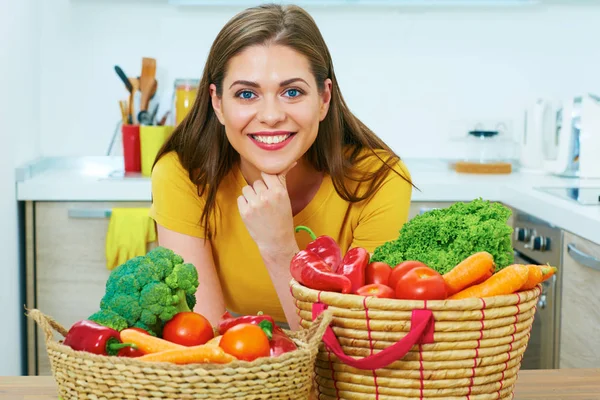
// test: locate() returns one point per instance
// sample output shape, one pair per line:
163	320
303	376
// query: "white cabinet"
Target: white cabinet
580	310
66	265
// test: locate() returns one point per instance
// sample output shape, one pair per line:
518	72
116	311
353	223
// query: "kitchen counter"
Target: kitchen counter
563	384
101	179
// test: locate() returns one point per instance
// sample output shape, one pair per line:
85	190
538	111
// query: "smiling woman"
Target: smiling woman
268	145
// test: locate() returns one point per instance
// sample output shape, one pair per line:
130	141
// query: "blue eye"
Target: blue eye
245	94
293	92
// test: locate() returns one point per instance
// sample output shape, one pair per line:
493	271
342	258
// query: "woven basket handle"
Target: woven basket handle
47	324
421	331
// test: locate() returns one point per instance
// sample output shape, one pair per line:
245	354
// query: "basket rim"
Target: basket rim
382	303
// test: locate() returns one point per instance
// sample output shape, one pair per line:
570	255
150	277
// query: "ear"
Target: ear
325	99
216	103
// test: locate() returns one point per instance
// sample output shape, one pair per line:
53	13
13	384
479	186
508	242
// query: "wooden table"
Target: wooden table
562	384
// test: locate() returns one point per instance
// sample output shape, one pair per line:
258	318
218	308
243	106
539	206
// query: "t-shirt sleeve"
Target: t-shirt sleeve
385	211
175	201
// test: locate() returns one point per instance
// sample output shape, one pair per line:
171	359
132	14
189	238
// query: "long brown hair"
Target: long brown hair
200	140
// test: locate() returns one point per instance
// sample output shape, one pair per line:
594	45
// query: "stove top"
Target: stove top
588	196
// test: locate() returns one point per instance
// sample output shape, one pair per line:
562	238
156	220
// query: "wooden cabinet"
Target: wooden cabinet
66	265
580	309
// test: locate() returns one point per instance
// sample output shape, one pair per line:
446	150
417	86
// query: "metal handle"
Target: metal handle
582	258
89	213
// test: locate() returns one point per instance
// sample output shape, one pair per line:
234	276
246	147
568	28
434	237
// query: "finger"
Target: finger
259	187
249	193
279	179
242	205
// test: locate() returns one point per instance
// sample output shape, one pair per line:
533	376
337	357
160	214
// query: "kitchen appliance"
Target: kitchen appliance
537	118
586	196
571	141
538	242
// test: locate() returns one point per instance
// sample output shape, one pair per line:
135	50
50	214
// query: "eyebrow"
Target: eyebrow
256	85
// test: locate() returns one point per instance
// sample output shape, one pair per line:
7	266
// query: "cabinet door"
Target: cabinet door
70	262
580	310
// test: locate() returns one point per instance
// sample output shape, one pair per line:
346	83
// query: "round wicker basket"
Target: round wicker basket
474	350
81	375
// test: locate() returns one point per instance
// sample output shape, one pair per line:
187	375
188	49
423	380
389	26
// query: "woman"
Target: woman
268	145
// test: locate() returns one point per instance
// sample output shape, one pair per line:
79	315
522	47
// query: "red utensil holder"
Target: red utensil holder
131	148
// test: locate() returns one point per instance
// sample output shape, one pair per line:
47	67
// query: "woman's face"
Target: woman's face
271	107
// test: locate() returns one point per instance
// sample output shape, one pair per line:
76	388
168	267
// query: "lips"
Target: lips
272	140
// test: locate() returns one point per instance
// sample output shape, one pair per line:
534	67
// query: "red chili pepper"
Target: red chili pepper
228	321
94	338
310	270
353	266
323	246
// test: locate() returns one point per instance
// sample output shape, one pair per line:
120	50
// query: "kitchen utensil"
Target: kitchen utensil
131	147
163	120
152	139
147	80
148	88
124	78
184	95
124	114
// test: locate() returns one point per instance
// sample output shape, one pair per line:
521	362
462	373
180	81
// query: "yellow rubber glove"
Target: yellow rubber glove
129	232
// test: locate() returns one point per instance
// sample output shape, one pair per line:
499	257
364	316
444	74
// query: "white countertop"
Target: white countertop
100	179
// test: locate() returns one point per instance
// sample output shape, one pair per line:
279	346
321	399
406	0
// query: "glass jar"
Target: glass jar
486	147
185	92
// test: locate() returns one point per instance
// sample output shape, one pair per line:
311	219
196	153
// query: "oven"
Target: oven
537	242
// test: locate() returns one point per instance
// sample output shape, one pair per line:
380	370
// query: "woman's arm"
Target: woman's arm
209	296
277	263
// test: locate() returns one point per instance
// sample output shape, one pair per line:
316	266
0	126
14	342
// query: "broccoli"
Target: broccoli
442	238
147	291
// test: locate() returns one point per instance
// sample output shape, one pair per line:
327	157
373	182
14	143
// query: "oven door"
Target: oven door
541	350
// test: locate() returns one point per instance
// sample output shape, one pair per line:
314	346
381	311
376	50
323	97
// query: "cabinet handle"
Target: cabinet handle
89	213
582	258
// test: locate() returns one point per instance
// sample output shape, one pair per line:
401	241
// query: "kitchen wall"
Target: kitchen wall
19	133
416	76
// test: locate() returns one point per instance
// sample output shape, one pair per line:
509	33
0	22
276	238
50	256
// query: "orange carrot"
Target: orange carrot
191	355
146	343
474	269
505	281
549	273
536	275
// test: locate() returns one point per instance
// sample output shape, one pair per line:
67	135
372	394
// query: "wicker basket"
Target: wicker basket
453	349
81	375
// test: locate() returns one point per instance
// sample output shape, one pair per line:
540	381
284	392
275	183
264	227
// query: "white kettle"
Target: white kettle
540	120
571	143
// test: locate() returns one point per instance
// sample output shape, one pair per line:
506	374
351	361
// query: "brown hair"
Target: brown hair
200	140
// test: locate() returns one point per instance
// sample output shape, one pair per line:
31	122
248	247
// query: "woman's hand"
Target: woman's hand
266	211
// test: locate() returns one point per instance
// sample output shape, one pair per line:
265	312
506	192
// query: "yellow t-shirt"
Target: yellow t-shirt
246	284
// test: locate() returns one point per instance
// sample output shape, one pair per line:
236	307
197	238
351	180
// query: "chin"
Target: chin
273	168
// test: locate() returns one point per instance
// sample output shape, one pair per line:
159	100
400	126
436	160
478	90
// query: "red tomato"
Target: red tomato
377	290
188	329
377	272
246	342
130	351
421	283
401	269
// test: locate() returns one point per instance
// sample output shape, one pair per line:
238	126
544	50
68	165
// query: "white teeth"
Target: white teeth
271	139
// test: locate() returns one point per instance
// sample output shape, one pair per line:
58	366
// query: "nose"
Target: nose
270	113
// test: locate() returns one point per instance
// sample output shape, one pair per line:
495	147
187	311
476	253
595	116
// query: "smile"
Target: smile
272	140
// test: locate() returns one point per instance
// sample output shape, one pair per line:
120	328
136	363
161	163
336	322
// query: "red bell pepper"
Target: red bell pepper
94	338
228	321
130	351
323	246
311	271
279	342
353	266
